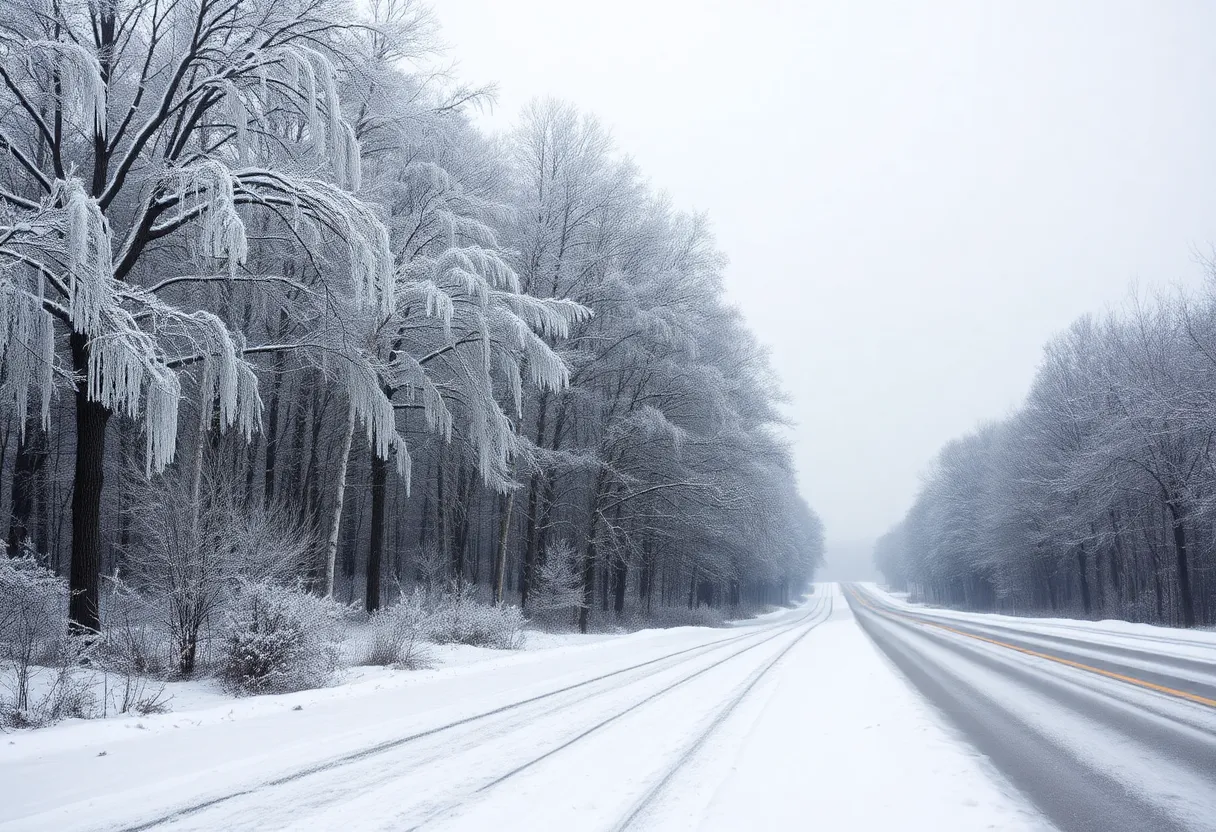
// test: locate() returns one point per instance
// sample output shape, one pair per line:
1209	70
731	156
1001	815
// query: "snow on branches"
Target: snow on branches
373	408
488	325
207	189
89	253
82	93
27	352
329	208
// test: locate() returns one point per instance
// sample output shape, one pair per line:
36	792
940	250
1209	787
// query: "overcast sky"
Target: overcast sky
913	196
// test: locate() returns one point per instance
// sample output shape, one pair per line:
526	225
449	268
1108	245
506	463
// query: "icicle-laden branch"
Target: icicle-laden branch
550	317
475	289
207	189
122	364
27	352
435	301
476	270
546	369
238	115
91	284
315	80
488	429
373	408
416	386
83	93
328	207
228	380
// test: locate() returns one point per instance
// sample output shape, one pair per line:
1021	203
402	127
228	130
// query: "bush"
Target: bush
458	618
40	662
399	633
558	584
195	547
133	648
664	617
279	640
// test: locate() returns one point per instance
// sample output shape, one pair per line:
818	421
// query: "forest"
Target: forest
274	310
1097	497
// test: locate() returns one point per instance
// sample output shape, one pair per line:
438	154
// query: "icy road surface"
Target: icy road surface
1102	725
783	720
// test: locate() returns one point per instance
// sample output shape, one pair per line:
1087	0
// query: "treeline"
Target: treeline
260	273
1097	498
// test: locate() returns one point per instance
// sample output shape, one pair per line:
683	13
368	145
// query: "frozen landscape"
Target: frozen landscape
541	415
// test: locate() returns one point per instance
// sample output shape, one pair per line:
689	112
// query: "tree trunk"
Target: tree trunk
1083	575
441	510
278	366
31	454
375	549
331	549
1184	572
620	574
528	561
460	522
500	559
84	606
588	581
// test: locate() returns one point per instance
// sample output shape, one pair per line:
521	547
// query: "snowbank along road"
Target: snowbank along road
588	735
1103	728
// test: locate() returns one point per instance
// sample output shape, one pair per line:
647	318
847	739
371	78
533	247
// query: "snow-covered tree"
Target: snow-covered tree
145	138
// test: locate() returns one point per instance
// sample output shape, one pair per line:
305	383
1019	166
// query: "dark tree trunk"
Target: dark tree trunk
278	365
84	607
375	549
32	452
620	574
460	530
1187	603
441	511
298	472
500	559
588	581
1083	577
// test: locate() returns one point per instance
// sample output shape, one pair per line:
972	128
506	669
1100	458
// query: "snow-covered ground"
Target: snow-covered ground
794	716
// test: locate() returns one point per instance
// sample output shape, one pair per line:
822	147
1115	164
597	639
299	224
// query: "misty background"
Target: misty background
914	197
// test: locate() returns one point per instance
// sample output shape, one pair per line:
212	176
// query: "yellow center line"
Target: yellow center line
1110	674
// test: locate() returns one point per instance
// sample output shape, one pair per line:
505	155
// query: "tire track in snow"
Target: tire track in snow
650	668
690	751
453	806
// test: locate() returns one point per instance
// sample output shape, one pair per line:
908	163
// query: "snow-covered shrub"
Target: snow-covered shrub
557	584
199	541
399	633
430	567
458	618
702	616
279	640
131	652
40	661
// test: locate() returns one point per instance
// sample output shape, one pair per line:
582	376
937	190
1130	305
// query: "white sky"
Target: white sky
914	196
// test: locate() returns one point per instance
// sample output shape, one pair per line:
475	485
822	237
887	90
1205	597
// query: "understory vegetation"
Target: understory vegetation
284	336
1097	497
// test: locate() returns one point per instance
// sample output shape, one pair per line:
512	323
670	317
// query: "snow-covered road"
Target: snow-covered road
679	729
1104	726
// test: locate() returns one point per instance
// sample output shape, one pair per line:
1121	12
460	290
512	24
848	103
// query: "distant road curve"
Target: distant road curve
1102	731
